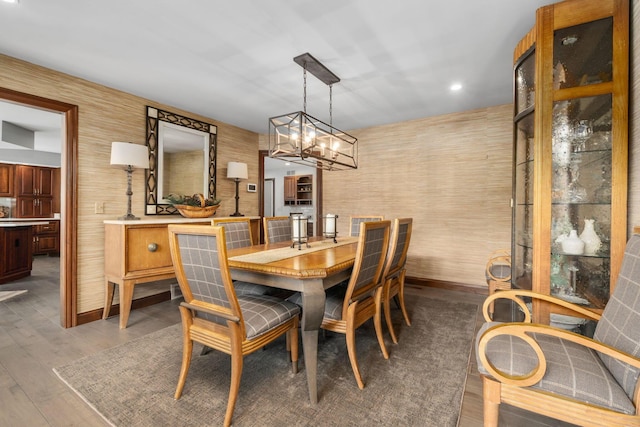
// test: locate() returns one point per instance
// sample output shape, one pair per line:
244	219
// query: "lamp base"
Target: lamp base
236	214
128	217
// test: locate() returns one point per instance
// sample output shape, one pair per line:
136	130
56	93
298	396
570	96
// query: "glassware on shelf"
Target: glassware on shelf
582	133
592	242
562	135
576	192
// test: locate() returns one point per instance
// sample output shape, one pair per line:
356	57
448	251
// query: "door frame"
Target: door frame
69	194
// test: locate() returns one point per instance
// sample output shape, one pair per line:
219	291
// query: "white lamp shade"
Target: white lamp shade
124	154
236	170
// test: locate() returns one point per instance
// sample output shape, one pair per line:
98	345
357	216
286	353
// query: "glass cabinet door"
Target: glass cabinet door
522	250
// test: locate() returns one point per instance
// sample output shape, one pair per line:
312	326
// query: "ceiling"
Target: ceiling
233	60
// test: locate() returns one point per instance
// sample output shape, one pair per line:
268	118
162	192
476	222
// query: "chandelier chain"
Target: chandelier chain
304	96
331	105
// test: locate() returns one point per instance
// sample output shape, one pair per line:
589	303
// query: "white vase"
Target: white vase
571	244
591	240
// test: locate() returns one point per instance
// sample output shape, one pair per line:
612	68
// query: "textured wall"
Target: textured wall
107	115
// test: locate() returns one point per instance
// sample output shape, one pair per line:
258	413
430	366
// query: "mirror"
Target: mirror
182	159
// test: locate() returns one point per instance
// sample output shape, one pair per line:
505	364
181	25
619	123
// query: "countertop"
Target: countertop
27	219
167	219
22	223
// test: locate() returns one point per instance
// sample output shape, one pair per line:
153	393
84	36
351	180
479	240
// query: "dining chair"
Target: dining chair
355	220
214	315
277	229
561	374
394	271
238	235
347	308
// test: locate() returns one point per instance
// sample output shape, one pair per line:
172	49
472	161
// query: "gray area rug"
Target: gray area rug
422	383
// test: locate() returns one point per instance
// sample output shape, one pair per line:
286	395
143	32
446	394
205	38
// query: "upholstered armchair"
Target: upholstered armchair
560	374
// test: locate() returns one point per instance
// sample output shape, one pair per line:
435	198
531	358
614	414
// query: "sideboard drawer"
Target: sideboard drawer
147	248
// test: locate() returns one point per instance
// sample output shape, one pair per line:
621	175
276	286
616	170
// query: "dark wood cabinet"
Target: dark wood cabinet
7	173
15	253
46	238
35	187
289	190
34	181
34	207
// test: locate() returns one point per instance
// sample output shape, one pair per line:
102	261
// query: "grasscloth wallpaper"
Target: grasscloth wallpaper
451	173
107	115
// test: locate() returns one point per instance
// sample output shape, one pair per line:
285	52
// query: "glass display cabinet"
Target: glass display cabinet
570	155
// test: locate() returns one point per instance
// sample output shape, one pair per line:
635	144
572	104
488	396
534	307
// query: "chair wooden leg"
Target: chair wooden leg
236	370
292	340
187	349
386	303
351	349
491	402
377	323
400	297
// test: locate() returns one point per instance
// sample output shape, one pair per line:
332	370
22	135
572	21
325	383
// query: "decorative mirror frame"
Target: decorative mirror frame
154	116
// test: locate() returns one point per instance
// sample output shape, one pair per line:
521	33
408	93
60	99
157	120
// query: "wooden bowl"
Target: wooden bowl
196	211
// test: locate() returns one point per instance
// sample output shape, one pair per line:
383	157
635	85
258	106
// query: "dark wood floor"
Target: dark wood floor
32	343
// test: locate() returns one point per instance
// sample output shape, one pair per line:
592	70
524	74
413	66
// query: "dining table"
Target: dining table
309	268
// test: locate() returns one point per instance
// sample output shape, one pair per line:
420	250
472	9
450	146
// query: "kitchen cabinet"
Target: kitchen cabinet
571	152
35	188
7	173
298	190
34	207
46	238
34	181
290	190
15	252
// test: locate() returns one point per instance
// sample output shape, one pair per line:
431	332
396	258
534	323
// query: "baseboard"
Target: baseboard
90	316
442	284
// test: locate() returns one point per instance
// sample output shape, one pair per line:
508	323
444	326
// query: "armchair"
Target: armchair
560	374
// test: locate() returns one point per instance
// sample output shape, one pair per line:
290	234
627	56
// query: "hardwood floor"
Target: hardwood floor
32	343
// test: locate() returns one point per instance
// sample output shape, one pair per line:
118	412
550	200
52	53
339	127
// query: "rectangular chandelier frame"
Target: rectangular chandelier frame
303	139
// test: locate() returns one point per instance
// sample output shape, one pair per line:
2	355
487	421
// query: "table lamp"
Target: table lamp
129	156
237	171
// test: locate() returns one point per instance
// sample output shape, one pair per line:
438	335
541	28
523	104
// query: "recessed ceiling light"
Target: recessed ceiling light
11	1
455	87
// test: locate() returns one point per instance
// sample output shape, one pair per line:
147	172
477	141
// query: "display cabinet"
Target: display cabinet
570	154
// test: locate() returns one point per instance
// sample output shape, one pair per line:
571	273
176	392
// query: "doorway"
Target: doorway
68	208
269	197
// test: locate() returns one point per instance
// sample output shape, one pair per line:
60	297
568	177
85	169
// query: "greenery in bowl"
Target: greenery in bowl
195	200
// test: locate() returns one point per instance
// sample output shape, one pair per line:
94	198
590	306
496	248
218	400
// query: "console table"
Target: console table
138	252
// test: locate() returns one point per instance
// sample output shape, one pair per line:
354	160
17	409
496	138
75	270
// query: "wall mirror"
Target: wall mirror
182	159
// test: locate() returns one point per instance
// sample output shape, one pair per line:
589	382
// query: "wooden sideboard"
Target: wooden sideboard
138	252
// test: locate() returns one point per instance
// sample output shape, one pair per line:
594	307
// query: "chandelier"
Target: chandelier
300	138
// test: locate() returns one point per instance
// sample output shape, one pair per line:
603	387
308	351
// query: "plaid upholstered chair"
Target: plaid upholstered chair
237	232
355	220
347	308
277	229
554	372
213	315
394	271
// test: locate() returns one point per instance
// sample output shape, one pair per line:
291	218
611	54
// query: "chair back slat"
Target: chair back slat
369	261
619	326
237	232
398	246
355	221
277	229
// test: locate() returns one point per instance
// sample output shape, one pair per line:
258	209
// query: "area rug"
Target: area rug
422	383
5	295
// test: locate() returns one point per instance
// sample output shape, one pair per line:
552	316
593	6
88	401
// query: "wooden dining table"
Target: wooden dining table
309	270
